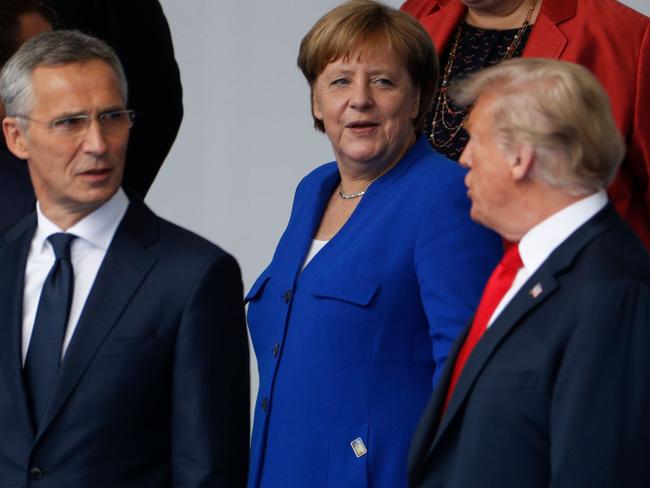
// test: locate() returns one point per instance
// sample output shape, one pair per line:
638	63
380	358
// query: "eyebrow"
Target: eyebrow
63	115
103	110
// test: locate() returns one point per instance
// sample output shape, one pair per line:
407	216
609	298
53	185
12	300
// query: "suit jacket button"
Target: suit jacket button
276	349
35	473
287	296
265	404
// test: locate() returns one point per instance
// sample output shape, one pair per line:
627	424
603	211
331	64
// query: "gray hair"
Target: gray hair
561	110
51	49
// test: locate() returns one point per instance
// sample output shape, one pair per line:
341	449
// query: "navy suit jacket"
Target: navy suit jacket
351	346
153	389
557	391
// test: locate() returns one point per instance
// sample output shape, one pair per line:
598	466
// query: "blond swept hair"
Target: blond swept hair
357	24
559	108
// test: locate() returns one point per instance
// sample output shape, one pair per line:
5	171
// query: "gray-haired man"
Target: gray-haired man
123	352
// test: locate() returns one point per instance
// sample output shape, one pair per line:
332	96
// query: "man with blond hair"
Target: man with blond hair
550	385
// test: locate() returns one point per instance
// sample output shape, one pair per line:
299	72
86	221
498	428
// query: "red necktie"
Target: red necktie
499	283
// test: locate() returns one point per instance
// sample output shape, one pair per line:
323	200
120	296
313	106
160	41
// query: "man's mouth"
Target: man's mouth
96	175
101	171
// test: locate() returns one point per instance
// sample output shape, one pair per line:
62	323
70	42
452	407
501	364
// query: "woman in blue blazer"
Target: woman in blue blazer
377	272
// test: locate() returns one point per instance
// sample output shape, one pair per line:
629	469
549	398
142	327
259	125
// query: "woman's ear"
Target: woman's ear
315	106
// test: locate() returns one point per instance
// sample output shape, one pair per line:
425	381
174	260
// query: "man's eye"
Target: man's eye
113	116
69	123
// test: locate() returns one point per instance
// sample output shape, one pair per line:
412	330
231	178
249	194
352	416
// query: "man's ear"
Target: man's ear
521	161
15	137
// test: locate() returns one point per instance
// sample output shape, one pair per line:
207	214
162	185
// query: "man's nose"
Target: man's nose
94	139
465	159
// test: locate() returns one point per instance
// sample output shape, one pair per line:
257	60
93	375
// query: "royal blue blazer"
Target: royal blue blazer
350	347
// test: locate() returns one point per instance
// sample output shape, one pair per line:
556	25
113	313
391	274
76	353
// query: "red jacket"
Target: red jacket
610	39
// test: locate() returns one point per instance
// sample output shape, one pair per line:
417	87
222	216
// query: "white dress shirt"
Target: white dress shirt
94	234
540	241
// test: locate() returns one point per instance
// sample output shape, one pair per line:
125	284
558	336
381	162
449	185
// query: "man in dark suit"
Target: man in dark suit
123	350
550	385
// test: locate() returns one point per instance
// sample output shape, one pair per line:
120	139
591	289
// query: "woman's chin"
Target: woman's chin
362	152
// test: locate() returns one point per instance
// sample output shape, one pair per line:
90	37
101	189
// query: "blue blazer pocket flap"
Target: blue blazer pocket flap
350	289
258	286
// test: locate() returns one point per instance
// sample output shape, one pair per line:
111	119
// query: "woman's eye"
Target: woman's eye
384	82
340	82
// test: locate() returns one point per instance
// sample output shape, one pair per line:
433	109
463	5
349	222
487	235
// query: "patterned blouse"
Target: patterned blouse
477	48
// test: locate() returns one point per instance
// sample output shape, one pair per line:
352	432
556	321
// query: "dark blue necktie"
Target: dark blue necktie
44	352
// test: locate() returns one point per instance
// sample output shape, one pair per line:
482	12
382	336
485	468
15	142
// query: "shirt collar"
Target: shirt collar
96	228
540	241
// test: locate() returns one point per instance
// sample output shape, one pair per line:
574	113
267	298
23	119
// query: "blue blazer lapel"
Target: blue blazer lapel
305	220
541	285
13	257
125	266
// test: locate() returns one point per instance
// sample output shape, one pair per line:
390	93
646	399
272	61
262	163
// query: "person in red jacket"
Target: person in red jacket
610	39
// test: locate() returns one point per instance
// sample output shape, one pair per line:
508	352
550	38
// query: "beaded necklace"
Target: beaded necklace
442	105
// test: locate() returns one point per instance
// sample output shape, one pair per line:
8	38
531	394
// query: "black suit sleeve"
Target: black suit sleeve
139	33
210	398
600	414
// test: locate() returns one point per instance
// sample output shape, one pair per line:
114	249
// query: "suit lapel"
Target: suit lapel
13	258
527	299
125	266
442	23
307	219
522	303
546	39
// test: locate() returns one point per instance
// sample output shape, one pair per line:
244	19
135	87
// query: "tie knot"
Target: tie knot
511	259
61	244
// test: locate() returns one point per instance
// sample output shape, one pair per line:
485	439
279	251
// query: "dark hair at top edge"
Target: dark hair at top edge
10	13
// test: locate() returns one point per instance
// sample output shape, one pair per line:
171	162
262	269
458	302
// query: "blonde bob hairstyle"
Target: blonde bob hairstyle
561	110
358	24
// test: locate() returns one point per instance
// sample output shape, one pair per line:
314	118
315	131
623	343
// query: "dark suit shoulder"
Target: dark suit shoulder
615	254
186	243
167	241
